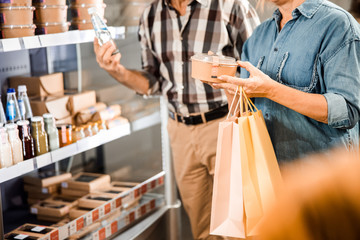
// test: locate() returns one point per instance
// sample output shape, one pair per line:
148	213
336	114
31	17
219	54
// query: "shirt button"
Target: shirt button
266	115
276	49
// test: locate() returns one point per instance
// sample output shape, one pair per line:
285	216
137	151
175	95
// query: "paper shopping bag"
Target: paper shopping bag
227	213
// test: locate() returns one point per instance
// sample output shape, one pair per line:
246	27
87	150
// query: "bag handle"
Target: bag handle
248	100
232	103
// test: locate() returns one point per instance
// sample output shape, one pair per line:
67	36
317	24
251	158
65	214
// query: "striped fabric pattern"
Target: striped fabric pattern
168	42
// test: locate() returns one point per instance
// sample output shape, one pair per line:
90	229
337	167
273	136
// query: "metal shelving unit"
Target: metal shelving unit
145	121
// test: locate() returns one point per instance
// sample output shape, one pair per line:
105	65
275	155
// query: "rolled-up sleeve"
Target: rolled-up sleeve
150	64
342	78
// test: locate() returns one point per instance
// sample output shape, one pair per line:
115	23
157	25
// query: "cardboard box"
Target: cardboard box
80	101
94	200
51	208
64	198
73	192
85	115
85	231
46	179
14	235
34	230
119	121
40	86
40	196
45	190
50	218
111	191
56	105
87	182
118	184
78	212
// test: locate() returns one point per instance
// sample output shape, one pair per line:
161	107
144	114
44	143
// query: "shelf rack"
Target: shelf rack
57	39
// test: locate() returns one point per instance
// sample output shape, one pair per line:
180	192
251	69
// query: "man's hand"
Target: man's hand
105	59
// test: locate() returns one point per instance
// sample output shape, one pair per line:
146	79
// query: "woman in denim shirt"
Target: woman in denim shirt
303	71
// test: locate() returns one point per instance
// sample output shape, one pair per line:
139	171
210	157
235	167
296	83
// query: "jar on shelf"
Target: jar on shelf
94	128
65	134
101	125
28	148
78	134
15	142
88	130
39	135
52	132
6	159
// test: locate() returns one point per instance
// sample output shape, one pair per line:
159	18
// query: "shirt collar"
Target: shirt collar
205	3
308	9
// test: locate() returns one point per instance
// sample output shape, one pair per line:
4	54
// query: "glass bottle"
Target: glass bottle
2	115
5	149
26	138
39	135
101	125
88	130
24	103
65	134
15	142
78	134
101	30
12	107
52	132
94	128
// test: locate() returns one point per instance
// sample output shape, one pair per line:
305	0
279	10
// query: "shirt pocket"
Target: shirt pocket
298	73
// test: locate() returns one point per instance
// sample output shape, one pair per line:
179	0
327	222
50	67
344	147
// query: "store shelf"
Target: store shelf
57	39
126	218
65	152
146	122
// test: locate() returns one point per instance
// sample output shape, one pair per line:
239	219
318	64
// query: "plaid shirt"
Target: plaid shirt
168	42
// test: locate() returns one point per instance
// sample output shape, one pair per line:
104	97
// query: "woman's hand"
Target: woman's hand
105	59
257	85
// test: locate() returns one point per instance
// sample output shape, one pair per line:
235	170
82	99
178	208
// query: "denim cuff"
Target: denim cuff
338	116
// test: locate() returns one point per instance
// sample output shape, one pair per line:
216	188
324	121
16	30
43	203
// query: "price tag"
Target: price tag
132	217
108	231
11	44
114	227
102	234
118	202
122	223
153	184
54	235
88	219
143	210
37	229
95	215
95	236
143	189
64	185
31	42
113	205
161	180
21	236
127	220
101	212
72	227
152	204
148	207
136	192
34	210
107	208
79	224
64	231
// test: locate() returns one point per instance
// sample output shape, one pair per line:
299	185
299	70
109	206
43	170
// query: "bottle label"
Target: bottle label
10	110
22	108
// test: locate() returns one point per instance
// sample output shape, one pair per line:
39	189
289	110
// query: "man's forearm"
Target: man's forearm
132	79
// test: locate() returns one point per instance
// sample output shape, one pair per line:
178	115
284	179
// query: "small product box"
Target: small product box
70	200
80	101
55	104
41	196
73	192
51	208
14	235
112	191
35	230
49	218
87	182
86	115
94	200
78	212
42	86
44	190
46	179
118	184
119	121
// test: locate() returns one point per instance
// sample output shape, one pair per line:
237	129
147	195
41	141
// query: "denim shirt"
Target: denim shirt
318	51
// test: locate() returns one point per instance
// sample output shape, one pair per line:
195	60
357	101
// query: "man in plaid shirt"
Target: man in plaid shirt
170	32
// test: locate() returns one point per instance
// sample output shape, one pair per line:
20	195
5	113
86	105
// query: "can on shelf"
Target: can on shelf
48	2
16	15
16	31
48	28
50	13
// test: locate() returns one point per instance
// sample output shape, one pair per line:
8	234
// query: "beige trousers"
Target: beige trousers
194	151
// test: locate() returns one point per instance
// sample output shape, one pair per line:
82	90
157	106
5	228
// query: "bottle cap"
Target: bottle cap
22	122
47	115
92	10
11	90
11	126
36	119
22	88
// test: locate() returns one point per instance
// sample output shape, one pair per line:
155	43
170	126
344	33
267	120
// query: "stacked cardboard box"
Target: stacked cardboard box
32	231
40	186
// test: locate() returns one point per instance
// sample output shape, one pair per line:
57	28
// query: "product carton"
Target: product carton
94	200
45	190
86	115
73	192
40	196
78	212
112	191
51	208
56	105
42	86
119	121
35	230
69	200
15	235
118	184
87	182
46	179
80	101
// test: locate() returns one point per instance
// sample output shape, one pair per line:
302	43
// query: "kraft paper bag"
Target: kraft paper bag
227	213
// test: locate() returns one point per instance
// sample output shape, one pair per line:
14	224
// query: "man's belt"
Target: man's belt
201	118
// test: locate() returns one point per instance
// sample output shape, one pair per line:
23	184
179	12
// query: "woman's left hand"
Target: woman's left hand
257	85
